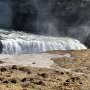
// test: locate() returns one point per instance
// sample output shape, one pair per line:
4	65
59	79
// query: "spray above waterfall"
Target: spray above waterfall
61	18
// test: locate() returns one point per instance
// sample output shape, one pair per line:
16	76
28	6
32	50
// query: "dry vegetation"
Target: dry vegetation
72	73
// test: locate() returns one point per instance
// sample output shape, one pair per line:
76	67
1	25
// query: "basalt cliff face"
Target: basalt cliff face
23	14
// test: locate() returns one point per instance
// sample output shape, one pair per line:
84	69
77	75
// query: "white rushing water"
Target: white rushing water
24	43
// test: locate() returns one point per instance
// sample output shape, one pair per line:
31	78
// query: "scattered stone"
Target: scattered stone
62	73
44	75
1	78
13	81
3	69
57	72
33	63
66	84
21	68
31	79
24	89
8	75
68	73
75	78
68	80
40	83
1	62
80	83
28	72
25	79
11	71
6	82
24	70
14	67
26	84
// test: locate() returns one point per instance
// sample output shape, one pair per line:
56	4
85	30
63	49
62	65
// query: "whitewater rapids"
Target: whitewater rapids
23	43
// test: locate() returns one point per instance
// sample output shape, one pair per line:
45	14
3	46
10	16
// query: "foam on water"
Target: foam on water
24	43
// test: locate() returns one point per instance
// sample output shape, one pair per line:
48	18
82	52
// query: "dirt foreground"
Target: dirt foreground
54	70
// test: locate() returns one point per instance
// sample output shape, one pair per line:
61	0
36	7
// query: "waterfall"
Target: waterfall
23	43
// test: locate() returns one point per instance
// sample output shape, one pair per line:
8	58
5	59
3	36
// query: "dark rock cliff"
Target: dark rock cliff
47	17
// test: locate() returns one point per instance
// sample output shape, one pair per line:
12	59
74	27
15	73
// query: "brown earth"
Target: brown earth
67	73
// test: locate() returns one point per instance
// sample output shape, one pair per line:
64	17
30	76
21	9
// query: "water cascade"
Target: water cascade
23	43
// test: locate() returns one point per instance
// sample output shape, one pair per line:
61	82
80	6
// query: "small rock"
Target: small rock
75	78
28	72
33	63
68	80
1	78
24	70
44	75
31	79
6	82
40	83
3	69
27	79
1	62
8	75
62	73
24	89
13	81
14	67
57	72
80	83
24	79
66	84
26	84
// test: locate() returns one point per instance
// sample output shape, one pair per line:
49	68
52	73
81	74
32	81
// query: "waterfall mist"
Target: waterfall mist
62	18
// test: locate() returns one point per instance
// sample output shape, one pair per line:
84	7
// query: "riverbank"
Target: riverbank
54	70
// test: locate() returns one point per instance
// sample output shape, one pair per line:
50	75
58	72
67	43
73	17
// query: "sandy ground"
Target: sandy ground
54	70
35	60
